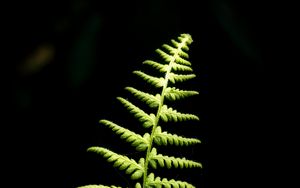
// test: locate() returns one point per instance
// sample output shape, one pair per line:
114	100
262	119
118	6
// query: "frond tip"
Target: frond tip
122	162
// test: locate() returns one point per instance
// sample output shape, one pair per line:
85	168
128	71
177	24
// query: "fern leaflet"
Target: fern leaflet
169	162
157	82
164	138
174	94
158	182
180	77
122	162
136	140
168	114
151	100
143	117
161	67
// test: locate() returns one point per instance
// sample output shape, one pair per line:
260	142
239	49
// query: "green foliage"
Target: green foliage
174	60
164	138
158	182
98	186
140	143
170	161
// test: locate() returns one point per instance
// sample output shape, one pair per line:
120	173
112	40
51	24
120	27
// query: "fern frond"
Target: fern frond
156	82
179	67
151	100
99	186
122	162
175	51
146	119
180	77
168	114
164	138
158	66
136	140
169	162
173	94
158	183
164	55
173	67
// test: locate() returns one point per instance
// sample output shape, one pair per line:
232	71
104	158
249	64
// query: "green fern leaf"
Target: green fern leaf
185	39
161	67
99	186
179	67
164	138
181	44
168	114
136	140
173	94
156	82
180	77
174	51
178	45
164	55
158	183
147	120
169	162
151	100
181	60
122	162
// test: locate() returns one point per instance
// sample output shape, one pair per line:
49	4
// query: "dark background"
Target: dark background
73	58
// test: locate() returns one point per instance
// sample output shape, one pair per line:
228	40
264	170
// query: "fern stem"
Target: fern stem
169	69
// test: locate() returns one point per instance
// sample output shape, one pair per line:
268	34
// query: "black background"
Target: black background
95	45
